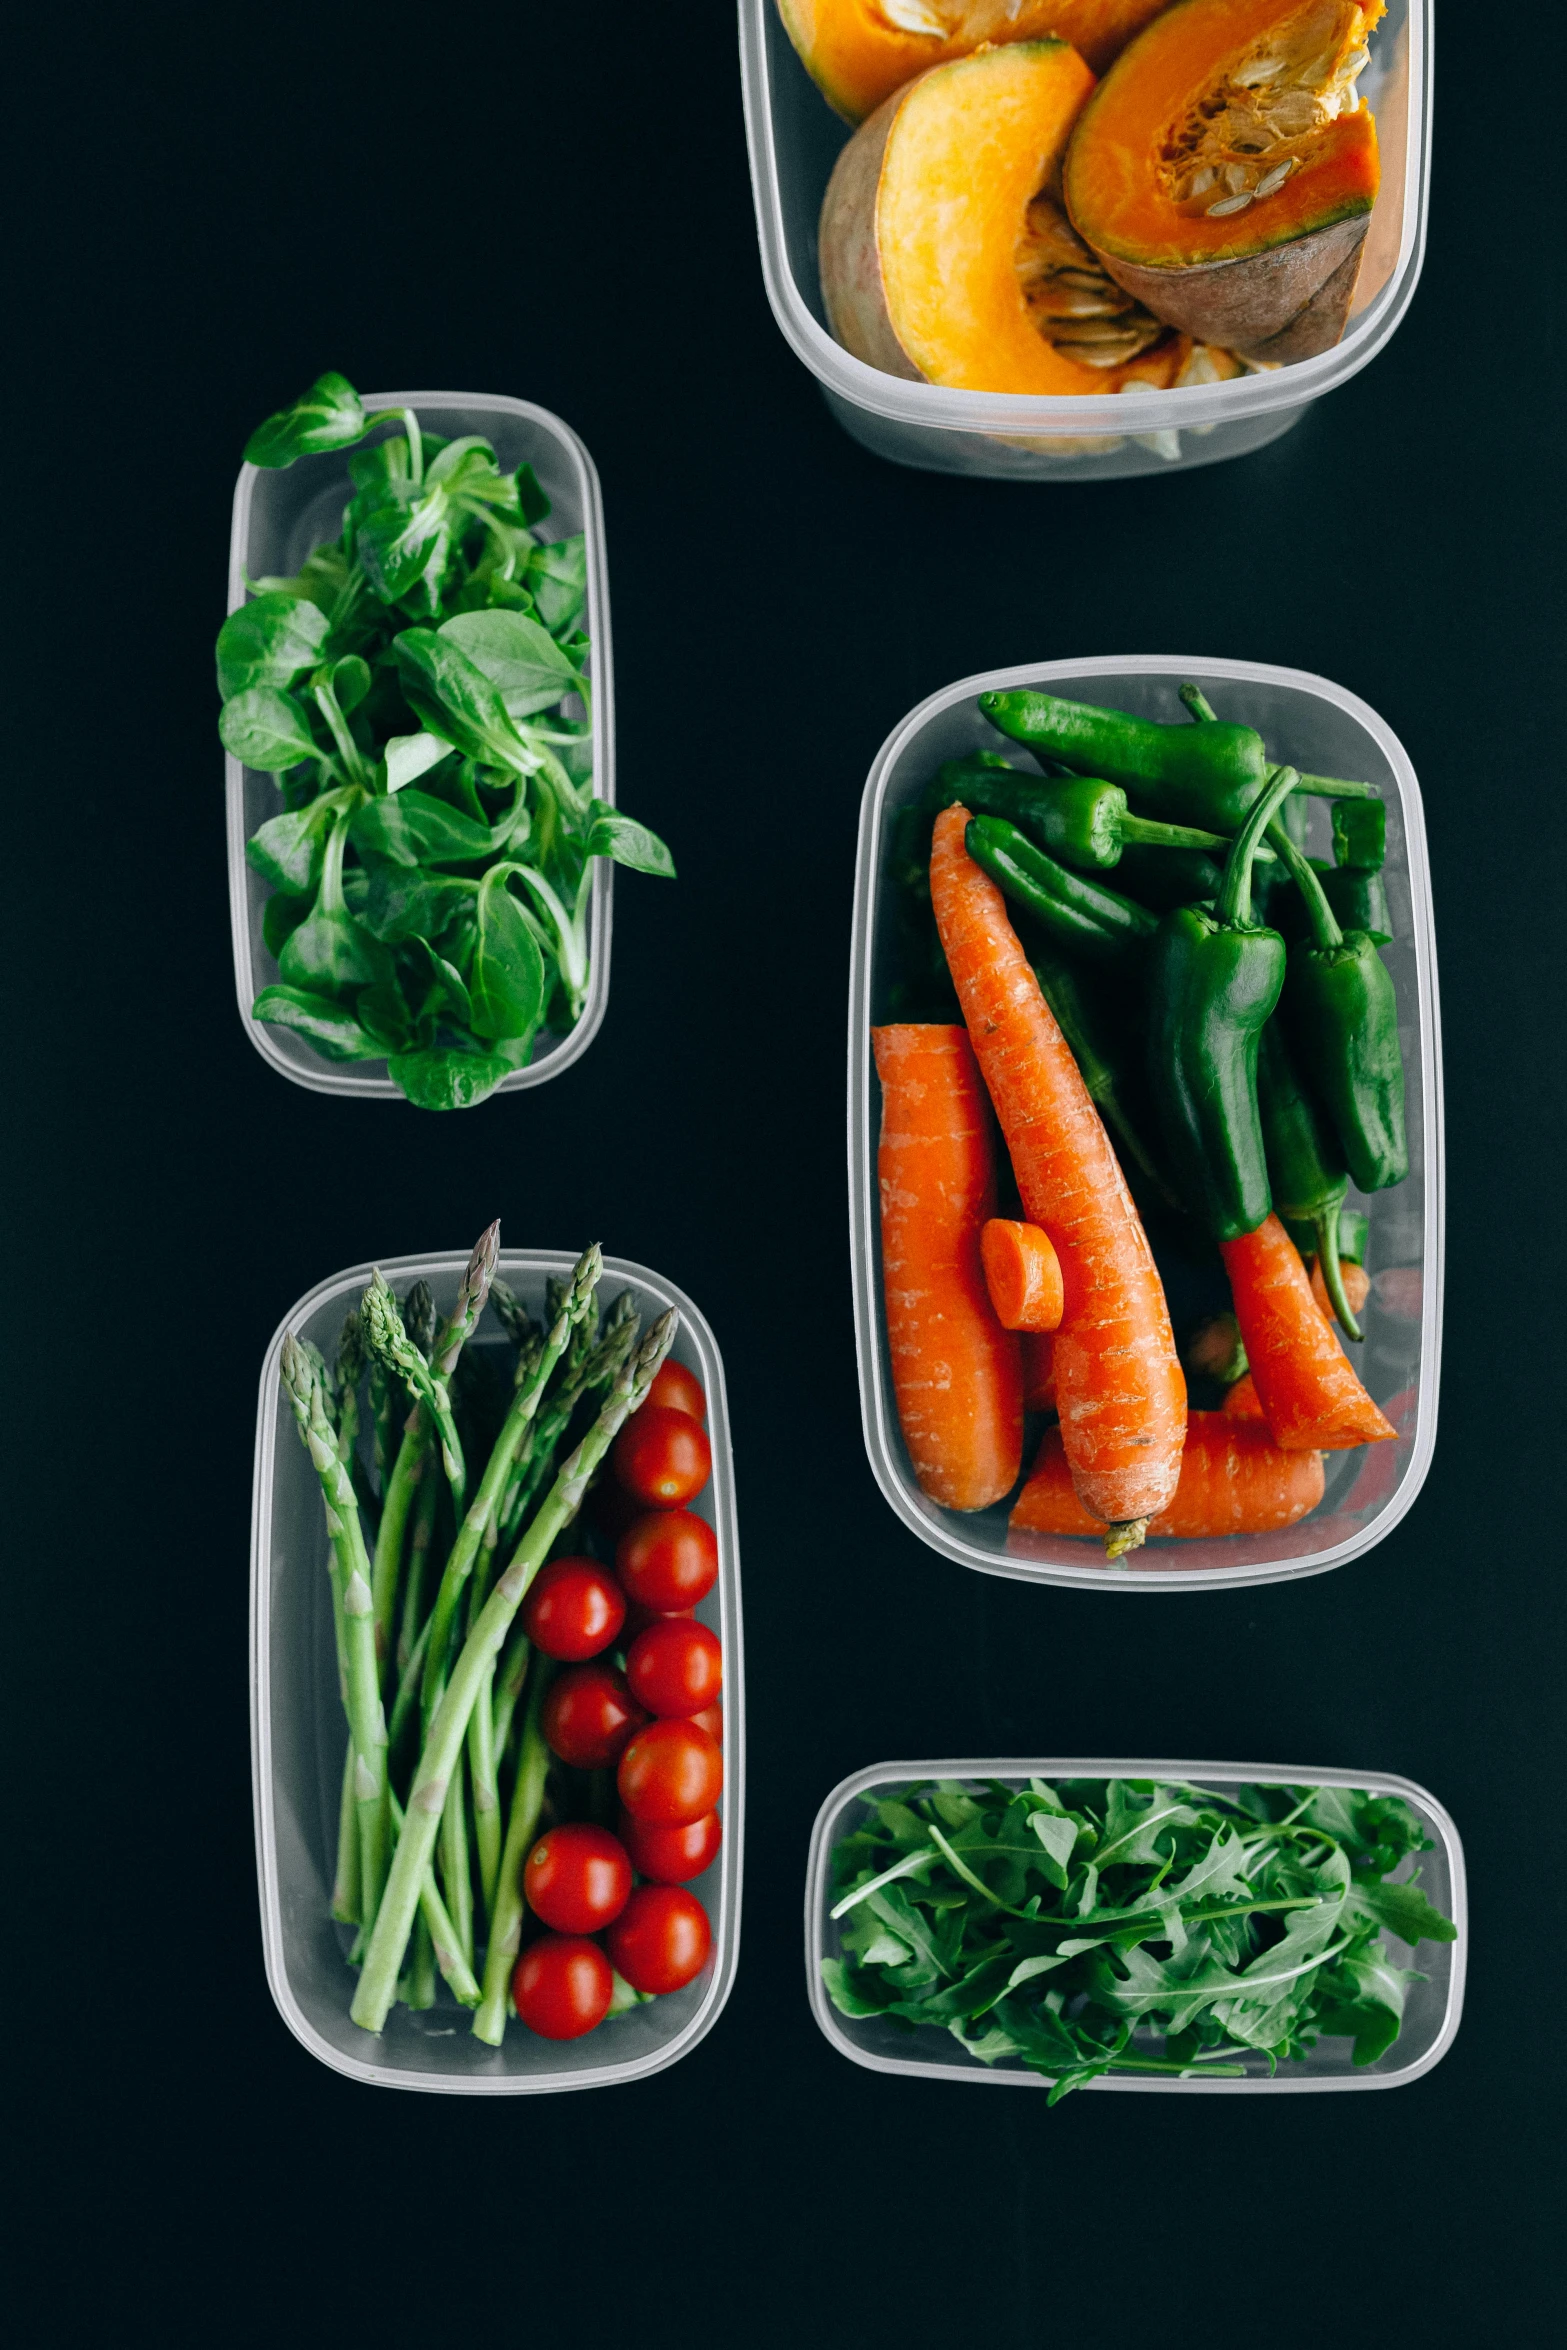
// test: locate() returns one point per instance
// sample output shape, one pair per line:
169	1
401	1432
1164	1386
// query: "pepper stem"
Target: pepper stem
1325	930
1199	705
1235	891
1131	1534
1333	1270
1335	787
1144	829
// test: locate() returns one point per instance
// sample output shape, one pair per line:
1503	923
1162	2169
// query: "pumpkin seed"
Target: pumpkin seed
1276	177
1229	204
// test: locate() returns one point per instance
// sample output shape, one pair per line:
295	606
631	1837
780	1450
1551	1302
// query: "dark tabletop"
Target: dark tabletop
211	207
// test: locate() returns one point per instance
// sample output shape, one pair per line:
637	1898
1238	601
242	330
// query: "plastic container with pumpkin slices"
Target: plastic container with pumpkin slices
795	138
1325	731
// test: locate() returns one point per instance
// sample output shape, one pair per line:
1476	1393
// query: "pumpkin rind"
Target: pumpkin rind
922	220
858	52
1272	279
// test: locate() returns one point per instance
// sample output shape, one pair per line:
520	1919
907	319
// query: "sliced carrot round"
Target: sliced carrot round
1023	1275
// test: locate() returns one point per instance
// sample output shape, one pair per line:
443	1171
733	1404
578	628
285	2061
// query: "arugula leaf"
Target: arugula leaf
1404	1911
847	1993
327	416
269	641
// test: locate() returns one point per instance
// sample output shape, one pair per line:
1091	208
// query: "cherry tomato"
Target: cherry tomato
562	1986
577	1878
663	1457
669	1856
668	1560
711	1719
588	1716
660	1939
675	1667
670	1772
679	1389
574	1609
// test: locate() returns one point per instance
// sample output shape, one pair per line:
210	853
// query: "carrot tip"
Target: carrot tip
1129	1536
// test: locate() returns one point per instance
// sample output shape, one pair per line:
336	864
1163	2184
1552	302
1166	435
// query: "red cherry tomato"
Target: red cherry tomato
670	1856
588	1716
668	1561
670	1772
562	1986
574	1609
663	1457
577	1878
675	1667
711	1719
679	1389
660	1939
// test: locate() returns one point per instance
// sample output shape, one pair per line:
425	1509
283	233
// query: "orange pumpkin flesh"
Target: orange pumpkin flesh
1224	171
859	51
926	231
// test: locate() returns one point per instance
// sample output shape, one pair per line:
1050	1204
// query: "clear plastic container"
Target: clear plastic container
298	1737
1431	2015
1326	731
794	140
279	517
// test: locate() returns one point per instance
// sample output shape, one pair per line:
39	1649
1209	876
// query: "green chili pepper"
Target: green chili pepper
1360	834
1167	878
1306	1171
1214	980
1079	914
1100	1065
1358	899
1354	1230
1343	1014
1078	818
1209	774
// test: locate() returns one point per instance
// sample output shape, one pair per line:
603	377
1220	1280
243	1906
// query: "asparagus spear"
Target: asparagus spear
512	1314
348	1368
304	1388
346	1904
533	1762
403	1347
595	1368
442	1931
444	1742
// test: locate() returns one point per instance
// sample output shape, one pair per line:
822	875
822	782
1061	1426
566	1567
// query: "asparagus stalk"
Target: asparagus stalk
533	1762
348	1369
486	1800
345	1888
511	1674
442	1931
593	1369
456	1875
444	1741
525	1403
366	1720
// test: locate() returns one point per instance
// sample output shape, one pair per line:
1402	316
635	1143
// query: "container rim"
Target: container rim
1068	415
859	1783
876	1410
446	1262
356	1079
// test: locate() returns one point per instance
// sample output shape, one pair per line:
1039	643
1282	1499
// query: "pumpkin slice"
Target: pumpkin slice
1224	171
945	255
859	51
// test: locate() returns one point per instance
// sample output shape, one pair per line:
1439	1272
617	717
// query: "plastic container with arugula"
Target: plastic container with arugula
419	692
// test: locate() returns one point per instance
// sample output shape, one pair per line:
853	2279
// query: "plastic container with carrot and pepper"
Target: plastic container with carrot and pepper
1147	1193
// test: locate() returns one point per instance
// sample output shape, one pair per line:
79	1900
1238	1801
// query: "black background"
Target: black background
210	207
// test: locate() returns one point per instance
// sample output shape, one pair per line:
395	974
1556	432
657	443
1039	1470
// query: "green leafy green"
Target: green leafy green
419	688
1209	1929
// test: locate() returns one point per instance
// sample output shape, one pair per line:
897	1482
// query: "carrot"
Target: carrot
1022	1274
1119	1388
957	1375
1242	1402
1234	1480
1357	1286
1039	1374
1311	1396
